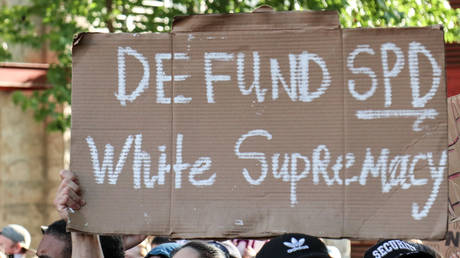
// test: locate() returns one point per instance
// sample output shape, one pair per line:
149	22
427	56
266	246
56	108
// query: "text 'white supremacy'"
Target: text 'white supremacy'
321	167
296	85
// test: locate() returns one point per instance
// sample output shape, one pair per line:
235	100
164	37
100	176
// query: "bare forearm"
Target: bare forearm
86	245
130	241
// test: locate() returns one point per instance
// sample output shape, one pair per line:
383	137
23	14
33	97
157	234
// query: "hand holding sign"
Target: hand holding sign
69	198
68	195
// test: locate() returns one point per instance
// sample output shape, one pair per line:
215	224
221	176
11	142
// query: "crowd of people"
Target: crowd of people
57	242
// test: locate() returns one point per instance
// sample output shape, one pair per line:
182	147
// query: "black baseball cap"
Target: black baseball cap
294	245
396	248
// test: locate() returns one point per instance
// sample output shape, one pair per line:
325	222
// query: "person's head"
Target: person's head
395	248
232	250
139	251
112	246
163	250
14	239
197	249
158	240
57	243
294	246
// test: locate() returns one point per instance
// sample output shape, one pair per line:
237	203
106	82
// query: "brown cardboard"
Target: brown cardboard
453	109
222	142
258	20
366	222
449	248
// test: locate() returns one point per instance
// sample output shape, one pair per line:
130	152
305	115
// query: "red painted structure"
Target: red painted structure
23	76
453	68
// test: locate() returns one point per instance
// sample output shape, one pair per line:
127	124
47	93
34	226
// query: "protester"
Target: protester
68	197
131	241
163	250
333	251
112	246
294	245
197	249
58	243
395	248
14	240
135	252
248	247
158	240
138	251
232	250
249	252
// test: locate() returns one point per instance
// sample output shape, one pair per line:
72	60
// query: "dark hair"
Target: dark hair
158	240
112	246
205	250
57	229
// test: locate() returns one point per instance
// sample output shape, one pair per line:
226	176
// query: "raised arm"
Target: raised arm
68	198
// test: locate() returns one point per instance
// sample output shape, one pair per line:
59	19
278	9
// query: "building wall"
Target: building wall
30	161
24	53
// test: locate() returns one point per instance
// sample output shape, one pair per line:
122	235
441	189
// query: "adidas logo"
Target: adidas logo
296	245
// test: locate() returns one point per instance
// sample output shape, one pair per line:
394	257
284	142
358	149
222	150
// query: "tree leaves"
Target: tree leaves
64	18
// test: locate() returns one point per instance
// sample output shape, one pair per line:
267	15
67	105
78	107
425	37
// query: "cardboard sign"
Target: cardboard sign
251	125
453	109
449	248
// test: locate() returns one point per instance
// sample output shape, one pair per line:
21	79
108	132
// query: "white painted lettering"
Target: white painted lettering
299	73
413	180
420	115
255	86
304	80
401	163
414	49
253	155
141	160
209	76
320	165
201	165
143	83
179	166
437	174
284	171
107	163
163	168
387	74
162	77
376	169
361	70
296	177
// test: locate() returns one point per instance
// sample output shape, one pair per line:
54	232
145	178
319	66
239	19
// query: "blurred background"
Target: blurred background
35	73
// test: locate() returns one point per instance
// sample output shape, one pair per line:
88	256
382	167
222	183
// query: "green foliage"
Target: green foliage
64	18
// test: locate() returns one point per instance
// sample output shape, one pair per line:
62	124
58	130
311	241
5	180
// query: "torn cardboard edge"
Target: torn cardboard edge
255	21
262	18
